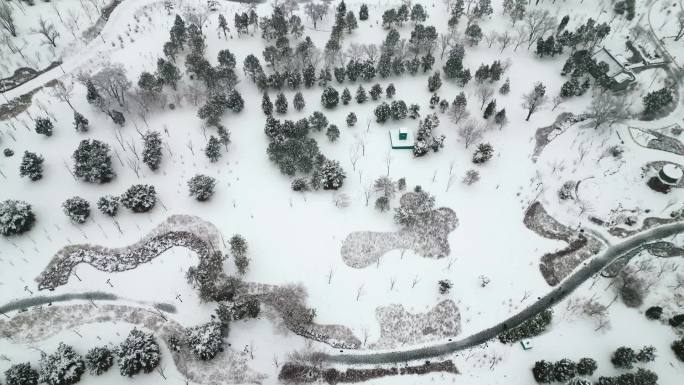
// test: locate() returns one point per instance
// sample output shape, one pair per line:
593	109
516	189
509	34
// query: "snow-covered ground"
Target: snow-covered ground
296	237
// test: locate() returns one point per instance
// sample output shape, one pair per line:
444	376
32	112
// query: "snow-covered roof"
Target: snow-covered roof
672	171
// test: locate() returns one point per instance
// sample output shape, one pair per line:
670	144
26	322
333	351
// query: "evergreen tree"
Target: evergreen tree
99	360
427	61
266	105
201	187
361	96
500	118
534	99
353	70
385	64
443	106
80	122
324	77
654	312
298	101
281	103
646	354
178	33
350	22
382	204
390	91
226	59
368	70
434	101
413	65
454	63
564	370
382	112
152	149
168	73
235	101
677	347
139	198
205	341
309	75
300	184
139	352
398	110
251	67
624	358
77	209
398	66
329	97
363	12
16	217
425	137
483	153
31	166
414	111
543	372
44	126
418	14
375	91
506	87
92	162
213	149
333	133
346	96
490	109
92	95
351	119
482	73
329	175
340	74
434	82
108	205
483	8
656	101
318	121
586	366
473	34
223	26
21	374
63	367
117	117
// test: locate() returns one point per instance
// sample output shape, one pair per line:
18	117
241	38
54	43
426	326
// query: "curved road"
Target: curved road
556	295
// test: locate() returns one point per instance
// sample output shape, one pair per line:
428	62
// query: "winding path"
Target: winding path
553	297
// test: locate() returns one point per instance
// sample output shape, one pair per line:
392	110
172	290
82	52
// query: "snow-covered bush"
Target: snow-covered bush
623	357
425	138
21	374
98	360
139	352
586	366
351	119
654	312
31	166
8	152
139	198
300	184
63	367
77	209
646	354
564	370
80	122
201	187
205	341
543	372
333	133
530	328
92	162
382	204
444	286
676	320
108	205
16	217
566	191
471	177
330	97
677	348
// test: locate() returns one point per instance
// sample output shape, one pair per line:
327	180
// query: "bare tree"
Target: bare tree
388	161
354	155
608	108
63	92
680	21
445	41
470	132
557	101
484	92
6	19
197	15
538	22
48	31
367	193
491	37
504	39
534	99
458	112
112	83
520	36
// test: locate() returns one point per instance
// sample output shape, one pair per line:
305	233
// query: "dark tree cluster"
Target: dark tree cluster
425	137
92	162
16	217
530	328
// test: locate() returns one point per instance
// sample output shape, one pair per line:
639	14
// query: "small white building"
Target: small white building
671	174
402	138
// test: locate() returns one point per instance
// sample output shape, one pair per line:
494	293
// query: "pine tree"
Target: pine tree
490	109
534	99
646	354
506	87
298	101
412	65
361	96
44	126
329	97
454	63
201	187
205	341
414	111
390	91
77	209
63	367
350	22
333	133
168	73
92	162
31	166
318	121
382	112
330	175
281	103
223	26
109	205
500	118
418	14
351	119
152	149
624	358
427	61
266	105
434	101
117	117
564	370
139	198
375	91
346	96
235	101
213	149
543	372
99	360
483	153
80	122
178	33
482	73
92	95
656	101
363	12
398	110
21	374
434	82
16	217
340	74
309	75
139	352
473	34
586	366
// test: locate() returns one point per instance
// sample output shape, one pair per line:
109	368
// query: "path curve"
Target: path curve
553	297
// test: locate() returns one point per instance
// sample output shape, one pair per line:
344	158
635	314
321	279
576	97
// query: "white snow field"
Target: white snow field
492	257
